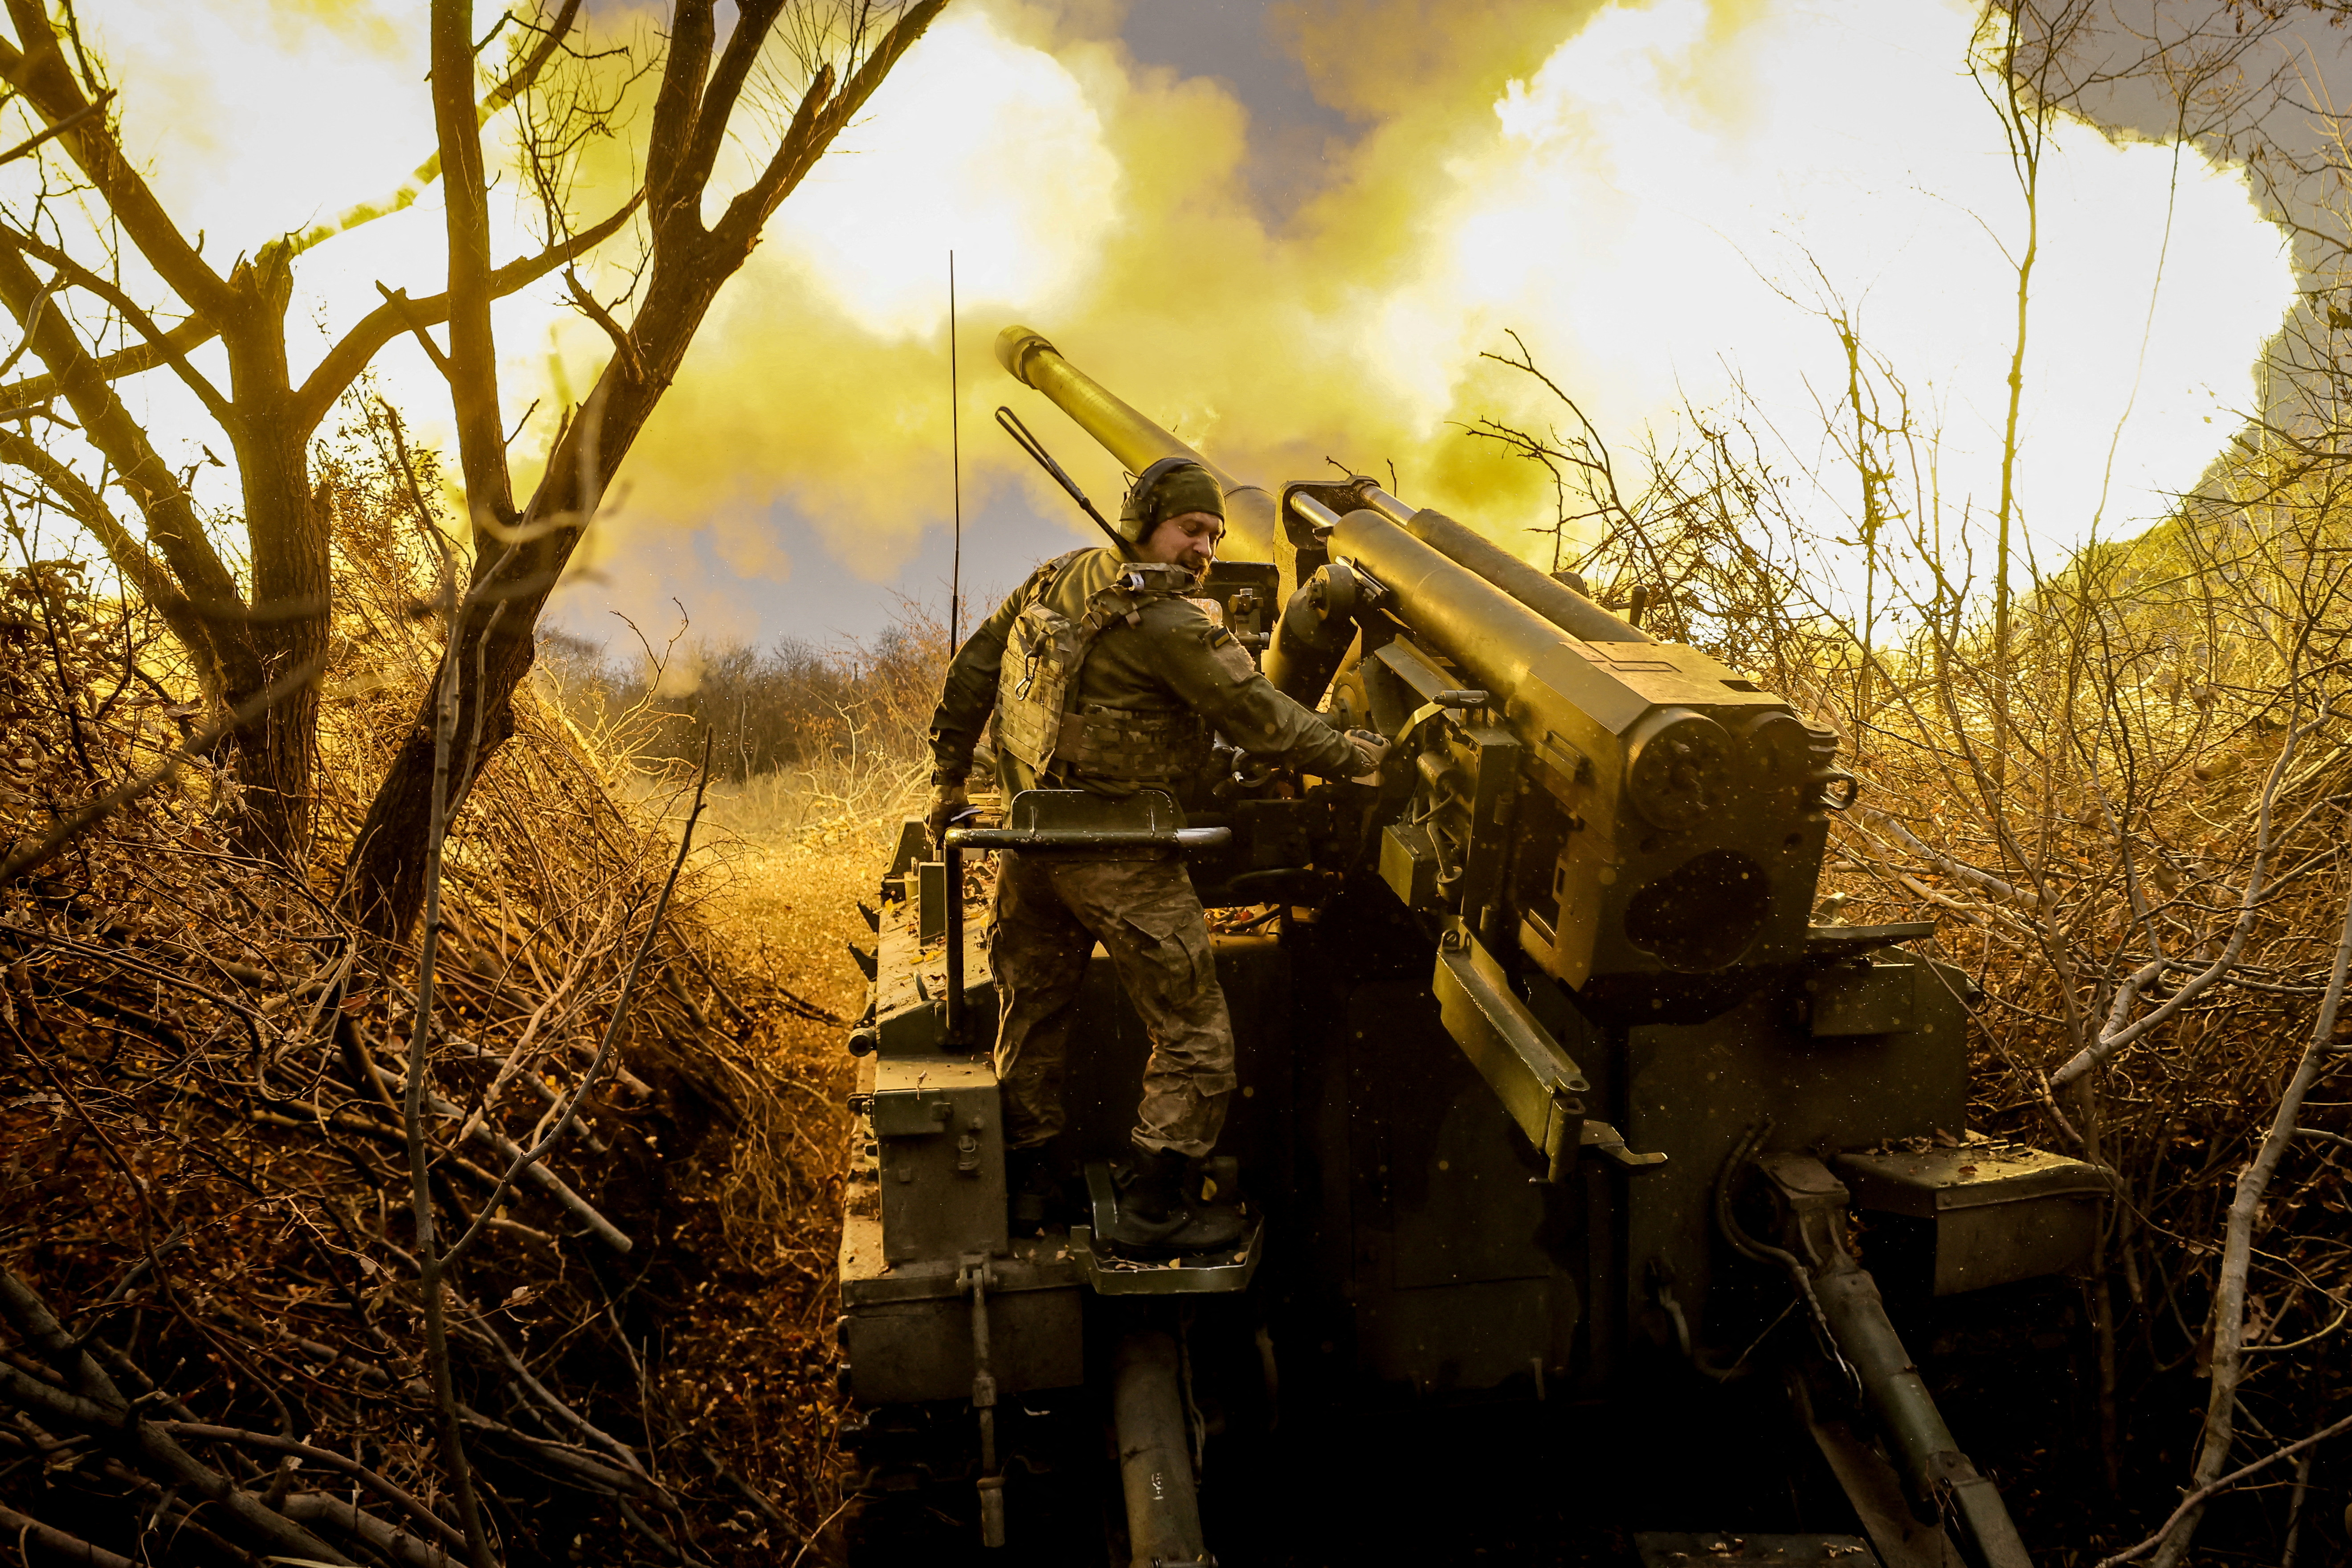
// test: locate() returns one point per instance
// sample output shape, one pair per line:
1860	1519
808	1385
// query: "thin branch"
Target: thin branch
2110	1041
19	398
432	1283
32	144
399	300
530	1157
352	352
219	407
2195	1501
171	517
421	178
50	1539
39	71
327	1459
87	507
2229	1319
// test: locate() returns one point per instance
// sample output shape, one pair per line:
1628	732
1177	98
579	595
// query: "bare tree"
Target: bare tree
845	48
820	59
239	638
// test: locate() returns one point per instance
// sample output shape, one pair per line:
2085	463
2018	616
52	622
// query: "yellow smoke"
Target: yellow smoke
1661	198
1657	197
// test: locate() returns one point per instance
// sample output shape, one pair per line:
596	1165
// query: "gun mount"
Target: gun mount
1554	1095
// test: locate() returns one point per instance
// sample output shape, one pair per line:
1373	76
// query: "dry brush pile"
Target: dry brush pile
215	1346
2136	844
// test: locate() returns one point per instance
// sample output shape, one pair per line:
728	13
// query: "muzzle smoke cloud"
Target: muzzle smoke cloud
1657	197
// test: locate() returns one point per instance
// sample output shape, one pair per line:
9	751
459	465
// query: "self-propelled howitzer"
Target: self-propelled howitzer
1554	1095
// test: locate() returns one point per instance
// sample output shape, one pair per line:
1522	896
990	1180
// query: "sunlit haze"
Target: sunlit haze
1660	199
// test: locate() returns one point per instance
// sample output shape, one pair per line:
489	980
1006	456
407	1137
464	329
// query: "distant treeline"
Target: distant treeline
787	706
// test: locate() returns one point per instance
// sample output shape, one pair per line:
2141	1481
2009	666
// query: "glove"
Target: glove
947	799
1373	750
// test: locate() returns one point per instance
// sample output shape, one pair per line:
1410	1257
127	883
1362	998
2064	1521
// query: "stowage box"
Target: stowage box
942	1149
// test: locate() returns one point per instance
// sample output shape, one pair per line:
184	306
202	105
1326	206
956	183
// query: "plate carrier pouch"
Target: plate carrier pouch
1037	717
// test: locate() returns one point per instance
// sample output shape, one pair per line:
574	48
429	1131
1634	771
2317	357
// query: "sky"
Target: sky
1289	229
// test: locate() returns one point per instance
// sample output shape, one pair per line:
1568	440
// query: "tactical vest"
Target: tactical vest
1039	718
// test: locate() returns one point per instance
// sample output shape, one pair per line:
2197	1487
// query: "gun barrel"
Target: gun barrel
1563	606
1492	636
1134	441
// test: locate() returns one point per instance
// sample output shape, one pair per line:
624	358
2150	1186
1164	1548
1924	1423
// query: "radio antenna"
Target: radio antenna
1036	448
955	468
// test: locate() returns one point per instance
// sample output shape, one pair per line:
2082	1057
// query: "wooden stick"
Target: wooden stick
35	855
21	1528
329	1459
2198	1499
2237	1259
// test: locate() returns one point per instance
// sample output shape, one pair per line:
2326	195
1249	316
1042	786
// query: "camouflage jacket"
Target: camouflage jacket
1167	659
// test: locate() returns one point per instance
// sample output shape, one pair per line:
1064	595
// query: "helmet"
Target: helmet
1169	488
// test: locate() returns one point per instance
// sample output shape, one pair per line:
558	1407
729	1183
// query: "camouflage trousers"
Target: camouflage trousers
1050	911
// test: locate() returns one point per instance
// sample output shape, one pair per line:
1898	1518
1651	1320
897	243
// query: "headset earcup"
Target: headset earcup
1136	510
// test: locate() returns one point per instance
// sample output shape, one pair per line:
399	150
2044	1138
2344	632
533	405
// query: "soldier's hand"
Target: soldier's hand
947	799
1372	751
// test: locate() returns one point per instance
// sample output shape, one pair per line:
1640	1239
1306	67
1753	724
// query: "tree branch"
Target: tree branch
473	368
352	352
2111	1040
529	1158
145	574
327	1459
2229	1319
23	397
425	173
623	346
100	1409
39	70
32	858
310	1508
819	119
33	144
752	20
805	141
398	299
82	277
2195	1501
171	518
678	107
69	1548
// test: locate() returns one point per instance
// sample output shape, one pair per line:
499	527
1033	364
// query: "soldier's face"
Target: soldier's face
1188	540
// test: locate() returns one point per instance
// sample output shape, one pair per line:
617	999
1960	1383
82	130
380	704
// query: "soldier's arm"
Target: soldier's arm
1215	678
971	693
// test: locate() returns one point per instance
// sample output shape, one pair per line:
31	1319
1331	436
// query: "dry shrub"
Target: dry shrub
2131	830
207	1192
2126	813
811	731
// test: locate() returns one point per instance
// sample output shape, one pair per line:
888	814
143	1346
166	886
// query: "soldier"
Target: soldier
1104	677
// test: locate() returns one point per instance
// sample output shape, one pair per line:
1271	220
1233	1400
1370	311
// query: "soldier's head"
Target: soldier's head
1175	515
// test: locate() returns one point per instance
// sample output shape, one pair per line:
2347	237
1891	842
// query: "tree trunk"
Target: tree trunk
384	881
285	633
293	585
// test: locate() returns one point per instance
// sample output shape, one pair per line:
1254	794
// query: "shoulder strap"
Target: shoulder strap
1042	581
1125	596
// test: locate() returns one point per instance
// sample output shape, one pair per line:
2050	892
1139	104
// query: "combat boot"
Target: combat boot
1031	1188
1162	1214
